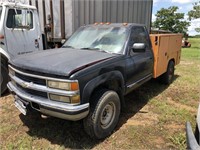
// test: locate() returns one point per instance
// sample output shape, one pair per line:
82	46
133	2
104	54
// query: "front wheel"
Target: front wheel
104	114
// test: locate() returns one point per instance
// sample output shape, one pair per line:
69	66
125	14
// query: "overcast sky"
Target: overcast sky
184	7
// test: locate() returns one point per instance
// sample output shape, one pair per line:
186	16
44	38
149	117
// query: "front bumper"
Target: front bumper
52	108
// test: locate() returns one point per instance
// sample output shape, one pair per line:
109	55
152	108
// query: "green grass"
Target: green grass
192	53
179	140
155	117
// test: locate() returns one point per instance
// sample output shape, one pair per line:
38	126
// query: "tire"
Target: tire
3	77
197	134
168	76
104	114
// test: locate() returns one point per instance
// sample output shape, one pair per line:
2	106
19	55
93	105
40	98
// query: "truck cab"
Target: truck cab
19	34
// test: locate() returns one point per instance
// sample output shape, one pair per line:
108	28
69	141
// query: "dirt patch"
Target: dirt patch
143	118
159	142
174	126
181	106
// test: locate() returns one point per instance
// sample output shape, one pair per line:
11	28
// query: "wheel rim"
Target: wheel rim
107	115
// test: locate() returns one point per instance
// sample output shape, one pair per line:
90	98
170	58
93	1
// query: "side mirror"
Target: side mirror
139	47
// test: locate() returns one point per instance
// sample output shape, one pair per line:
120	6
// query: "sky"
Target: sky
184	7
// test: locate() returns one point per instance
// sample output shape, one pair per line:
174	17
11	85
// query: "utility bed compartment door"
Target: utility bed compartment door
162	57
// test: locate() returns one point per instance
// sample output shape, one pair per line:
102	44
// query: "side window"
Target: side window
139	36
19	19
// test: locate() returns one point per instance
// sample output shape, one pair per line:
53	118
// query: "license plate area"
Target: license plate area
20	105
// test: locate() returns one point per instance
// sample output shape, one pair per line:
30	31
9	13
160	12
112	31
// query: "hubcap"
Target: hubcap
107	115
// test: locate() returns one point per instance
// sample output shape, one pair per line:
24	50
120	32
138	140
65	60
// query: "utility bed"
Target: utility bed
165	47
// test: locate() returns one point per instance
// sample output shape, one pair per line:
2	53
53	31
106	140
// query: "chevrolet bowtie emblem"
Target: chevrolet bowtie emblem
26	85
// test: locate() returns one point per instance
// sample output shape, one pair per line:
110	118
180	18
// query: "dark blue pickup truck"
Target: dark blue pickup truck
88	77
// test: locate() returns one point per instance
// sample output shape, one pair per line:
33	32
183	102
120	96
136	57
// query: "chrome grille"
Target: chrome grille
31	79
36	84
33	92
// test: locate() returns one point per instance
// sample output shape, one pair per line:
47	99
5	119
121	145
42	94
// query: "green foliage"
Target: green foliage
169	19
197	29
195	13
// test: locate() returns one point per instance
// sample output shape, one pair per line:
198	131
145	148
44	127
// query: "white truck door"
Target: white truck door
21	31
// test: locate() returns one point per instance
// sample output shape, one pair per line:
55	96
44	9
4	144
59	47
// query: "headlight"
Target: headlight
59	98
68	86
73	99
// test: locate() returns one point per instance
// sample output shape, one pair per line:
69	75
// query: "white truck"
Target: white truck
32	25
19	33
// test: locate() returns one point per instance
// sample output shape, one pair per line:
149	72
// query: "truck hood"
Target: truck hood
62	61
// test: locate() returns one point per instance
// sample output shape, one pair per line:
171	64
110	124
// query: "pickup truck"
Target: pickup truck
88	77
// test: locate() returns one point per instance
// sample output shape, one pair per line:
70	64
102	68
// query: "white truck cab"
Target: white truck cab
19	33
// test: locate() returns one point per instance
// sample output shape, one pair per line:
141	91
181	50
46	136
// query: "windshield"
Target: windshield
107	39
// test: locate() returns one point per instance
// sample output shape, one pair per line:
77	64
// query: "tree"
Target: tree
195	13
169	19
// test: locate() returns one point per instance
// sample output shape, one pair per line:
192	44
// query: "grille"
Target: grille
30	79
33	92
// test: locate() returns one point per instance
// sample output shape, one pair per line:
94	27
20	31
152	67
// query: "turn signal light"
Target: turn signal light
125	24
74	86
96	23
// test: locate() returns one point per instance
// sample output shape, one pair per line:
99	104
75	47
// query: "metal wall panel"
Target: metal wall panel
68	18
80	12
115	11
56	19
41	12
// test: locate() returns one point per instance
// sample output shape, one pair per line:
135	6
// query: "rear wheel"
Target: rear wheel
3	77
104	114
168	76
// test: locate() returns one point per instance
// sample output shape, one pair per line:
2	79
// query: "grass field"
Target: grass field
154	119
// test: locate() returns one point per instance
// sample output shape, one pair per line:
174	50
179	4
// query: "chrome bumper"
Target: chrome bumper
52	108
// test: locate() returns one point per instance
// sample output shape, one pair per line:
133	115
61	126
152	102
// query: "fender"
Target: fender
94	83
5	54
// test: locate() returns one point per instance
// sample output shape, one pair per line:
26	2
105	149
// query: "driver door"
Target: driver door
21	32
140	66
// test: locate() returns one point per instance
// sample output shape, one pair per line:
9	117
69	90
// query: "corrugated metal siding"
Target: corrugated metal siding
115	11
80	12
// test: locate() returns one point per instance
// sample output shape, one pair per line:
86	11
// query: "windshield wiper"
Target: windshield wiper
101	50
90	48
67	46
